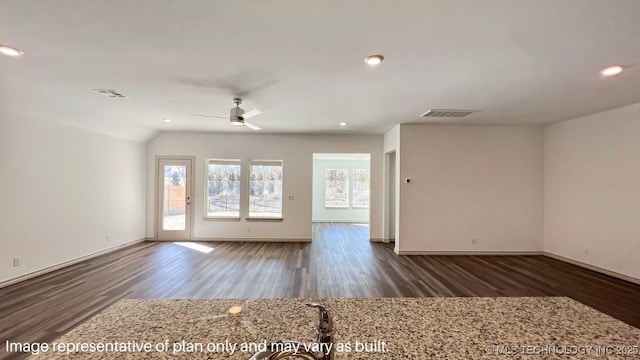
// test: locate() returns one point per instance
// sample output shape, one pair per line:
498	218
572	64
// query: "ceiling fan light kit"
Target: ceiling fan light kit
236	113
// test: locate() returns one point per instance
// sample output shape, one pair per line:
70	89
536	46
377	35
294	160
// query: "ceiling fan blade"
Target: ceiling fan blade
243	84
211	116
252	113
251	126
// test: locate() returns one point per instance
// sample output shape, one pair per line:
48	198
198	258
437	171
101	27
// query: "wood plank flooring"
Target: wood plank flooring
340	262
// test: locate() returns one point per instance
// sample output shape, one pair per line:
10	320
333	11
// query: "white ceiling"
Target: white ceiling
518	62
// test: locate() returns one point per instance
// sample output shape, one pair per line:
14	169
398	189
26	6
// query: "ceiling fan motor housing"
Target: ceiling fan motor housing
236	116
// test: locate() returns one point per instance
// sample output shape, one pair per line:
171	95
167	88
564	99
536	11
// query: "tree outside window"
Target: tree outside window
337	188
361	188
223	188
265	188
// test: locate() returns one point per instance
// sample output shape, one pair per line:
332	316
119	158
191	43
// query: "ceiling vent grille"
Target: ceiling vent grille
447	113
110	93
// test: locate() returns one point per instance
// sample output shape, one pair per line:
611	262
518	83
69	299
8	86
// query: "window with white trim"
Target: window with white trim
265	188
361	188
223	189
337	188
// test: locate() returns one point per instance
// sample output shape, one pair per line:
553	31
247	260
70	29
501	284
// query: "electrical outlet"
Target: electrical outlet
108	237
248	229
474	241
586	252
16	261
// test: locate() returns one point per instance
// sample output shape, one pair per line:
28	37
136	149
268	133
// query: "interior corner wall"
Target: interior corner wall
470	182
63	189
297	153
349	214
592	190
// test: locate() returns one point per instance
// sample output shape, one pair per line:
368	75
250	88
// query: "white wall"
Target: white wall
482	182
297	153
391	139
327	214
592	190
63	190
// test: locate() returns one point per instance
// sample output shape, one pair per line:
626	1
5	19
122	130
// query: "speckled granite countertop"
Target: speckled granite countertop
393	328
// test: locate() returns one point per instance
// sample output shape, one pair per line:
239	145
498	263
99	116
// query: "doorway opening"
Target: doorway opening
390	197
341	191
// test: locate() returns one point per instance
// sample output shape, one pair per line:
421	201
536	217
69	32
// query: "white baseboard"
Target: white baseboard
66	263
288	240
593	267
377	240
411	252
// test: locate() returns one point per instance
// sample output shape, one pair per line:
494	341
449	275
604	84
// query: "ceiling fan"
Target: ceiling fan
237	115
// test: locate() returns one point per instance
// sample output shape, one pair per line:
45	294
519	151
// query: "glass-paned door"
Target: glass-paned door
174	199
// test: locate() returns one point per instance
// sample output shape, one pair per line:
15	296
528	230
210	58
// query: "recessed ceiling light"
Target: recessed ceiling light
167	120
9	51
611	70
374	59
343	124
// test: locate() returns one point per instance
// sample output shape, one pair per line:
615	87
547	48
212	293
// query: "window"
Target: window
361	181
174	215
265	189
223	188
337	188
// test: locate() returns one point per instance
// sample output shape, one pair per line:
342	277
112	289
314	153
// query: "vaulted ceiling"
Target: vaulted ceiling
301	62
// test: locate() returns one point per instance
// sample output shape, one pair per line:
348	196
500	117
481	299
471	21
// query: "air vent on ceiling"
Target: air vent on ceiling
110	93
447	113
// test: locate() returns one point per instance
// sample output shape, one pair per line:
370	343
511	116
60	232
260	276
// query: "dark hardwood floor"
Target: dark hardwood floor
340	262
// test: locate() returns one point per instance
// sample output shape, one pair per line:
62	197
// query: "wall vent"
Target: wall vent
110	93
447	113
